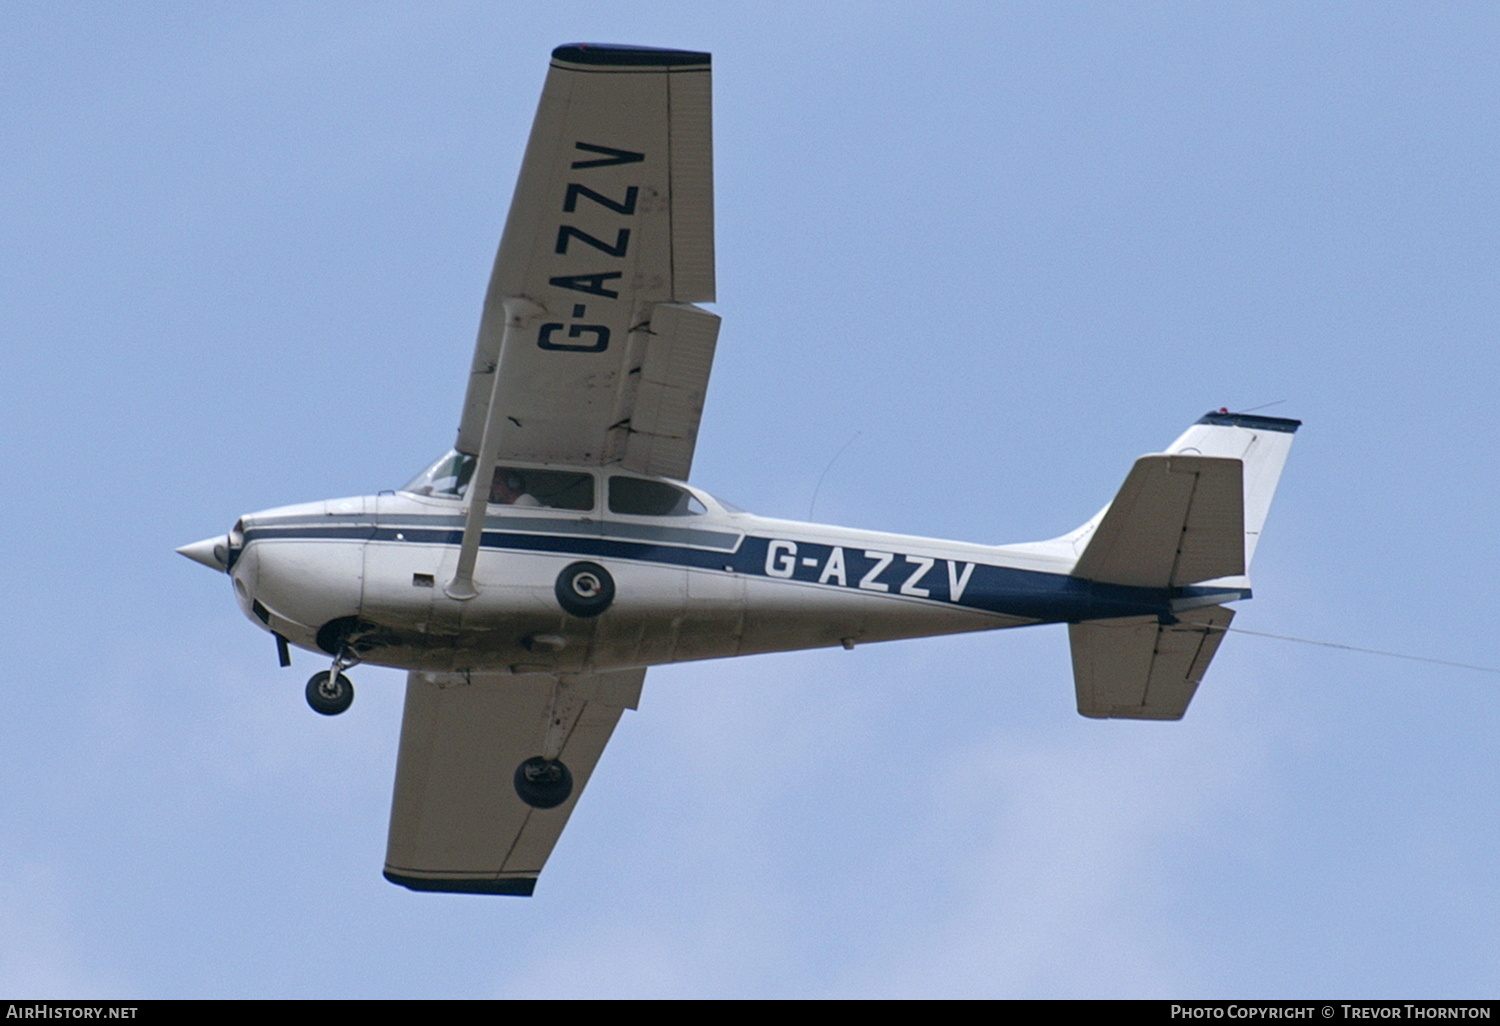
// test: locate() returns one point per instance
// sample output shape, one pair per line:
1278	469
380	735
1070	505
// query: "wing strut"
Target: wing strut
519	311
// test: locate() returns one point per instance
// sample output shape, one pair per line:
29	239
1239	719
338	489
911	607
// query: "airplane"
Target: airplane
527	601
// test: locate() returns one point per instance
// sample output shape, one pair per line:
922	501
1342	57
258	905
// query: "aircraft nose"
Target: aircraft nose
211	552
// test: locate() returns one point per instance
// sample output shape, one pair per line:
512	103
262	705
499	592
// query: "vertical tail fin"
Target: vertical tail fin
1261	443
1180	518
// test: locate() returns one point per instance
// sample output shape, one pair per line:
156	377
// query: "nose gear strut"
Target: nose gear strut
329	692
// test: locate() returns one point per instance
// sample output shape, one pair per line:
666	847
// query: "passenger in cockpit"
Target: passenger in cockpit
509	490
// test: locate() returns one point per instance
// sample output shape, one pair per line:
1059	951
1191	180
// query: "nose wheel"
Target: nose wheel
329	693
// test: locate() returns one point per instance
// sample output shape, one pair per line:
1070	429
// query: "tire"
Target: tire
543	784
329	699
585	589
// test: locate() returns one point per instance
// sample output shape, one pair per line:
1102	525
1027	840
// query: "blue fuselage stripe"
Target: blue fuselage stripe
1030	594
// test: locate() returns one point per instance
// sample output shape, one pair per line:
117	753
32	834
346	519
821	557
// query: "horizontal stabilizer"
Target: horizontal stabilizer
1140	669
1177	520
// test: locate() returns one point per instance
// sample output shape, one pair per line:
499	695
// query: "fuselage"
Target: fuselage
367	575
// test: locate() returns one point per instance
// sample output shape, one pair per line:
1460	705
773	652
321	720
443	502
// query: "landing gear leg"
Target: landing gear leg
544	781
330	692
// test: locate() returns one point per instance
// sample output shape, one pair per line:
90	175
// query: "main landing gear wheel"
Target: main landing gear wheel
543	783
585	589
328	694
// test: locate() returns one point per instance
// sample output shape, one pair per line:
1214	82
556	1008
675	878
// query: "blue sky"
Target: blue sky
1006	248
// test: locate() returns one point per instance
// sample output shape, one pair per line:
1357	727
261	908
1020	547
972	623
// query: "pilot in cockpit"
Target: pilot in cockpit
509	490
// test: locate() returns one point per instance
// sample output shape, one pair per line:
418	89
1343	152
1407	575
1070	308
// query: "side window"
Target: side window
635	496
545	489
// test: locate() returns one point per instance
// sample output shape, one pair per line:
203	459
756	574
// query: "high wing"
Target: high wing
589	349
457	823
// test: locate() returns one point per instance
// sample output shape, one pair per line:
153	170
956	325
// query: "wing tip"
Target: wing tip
622	55
515	886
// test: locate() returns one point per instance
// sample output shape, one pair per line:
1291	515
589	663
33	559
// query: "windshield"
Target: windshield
448	476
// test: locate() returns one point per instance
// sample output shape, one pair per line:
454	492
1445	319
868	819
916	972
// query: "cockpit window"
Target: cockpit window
636	496
512	486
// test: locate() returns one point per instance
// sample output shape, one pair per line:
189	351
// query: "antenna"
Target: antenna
819	486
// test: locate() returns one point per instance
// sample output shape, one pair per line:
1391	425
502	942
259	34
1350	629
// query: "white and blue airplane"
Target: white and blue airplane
527	609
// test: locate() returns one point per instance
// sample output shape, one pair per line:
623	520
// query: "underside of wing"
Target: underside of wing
608	242
458	822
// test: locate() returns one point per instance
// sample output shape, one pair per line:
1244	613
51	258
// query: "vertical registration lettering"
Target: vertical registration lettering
591	338
615	249
611	156
577	191
570	336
